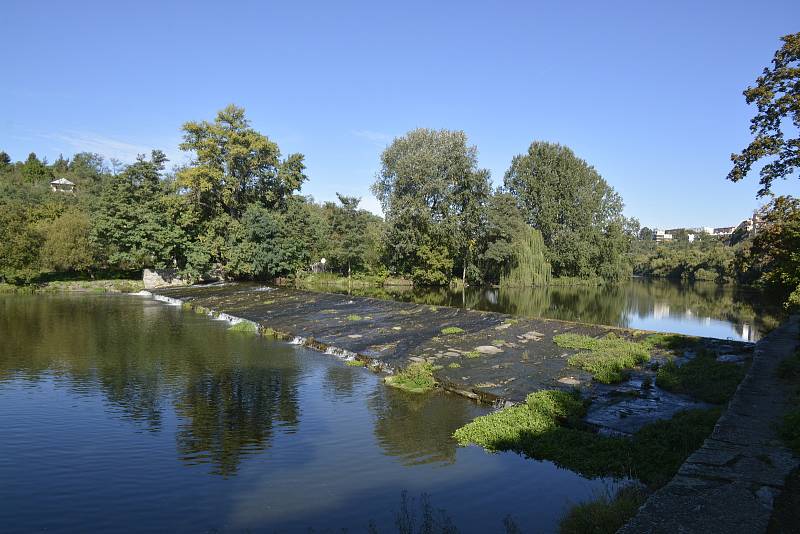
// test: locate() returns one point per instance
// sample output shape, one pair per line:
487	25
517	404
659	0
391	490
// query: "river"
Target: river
123	413
699	309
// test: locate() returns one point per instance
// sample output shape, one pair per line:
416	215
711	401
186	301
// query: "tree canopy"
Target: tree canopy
433	194
777	98
577	212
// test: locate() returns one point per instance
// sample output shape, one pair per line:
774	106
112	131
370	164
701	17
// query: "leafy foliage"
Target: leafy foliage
546	427
606	514
433	195
777	97
702	377
529	266
416	378
772	259
577	212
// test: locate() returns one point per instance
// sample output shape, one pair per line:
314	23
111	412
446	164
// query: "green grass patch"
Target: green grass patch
354	317
604	515
450	330
416	378
548	427
454	365
671	342
244	327
355	363
790	429
472	354
608	358
702	378
498	342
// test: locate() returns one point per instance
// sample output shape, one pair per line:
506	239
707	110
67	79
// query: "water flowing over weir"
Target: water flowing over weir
489	357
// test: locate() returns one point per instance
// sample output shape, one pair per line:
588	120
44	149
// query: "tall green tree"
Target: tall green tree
233	165
36	171
348	232
772	257
777	98
577	212
133	228
433	194
67	246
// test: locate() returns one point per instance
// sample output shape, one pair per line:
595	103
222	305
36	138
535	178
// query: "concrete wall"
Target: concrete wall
154	278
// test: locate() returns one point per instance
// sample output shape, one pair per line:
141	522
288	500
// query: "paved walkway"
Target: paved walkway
729	485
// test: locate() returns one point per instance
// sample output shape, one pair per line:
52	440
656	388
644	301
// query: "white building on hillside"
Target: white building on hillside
62	185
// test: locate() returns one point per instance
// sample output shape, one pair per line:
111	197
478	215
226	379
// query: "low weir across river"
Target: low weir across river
500	358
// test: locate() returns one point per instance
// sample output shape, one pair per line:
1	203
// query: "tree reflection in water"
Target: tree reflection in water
750	312
227	394
418	428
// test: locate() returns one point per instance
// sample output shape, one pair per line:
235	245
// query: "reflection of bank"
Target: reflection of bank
747	332
660	310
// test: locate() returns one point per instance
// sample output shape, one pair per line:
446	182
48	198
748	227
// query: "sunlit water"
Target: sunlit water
122	413
698	309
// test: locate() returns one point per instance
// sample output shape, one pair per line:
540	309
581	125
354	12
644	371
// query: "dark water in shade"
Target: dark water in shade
120	413
698	309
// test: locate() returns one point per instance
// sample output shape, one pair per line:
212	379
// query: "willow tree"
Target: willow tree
529	266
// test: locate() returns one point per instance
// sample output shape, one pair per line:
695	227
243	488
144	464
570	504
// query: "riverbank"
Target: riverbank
490	357
78	286
731	483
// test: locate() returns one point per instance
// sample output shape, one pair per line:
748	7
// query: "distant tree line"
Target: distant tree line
769	259
235	211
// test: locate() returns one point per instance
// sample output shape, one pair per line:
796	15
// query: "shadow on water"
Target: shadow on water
700	308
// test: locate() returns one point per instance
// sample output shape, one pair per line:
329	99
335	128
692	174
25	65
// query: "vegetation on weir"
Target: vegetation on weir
244	327
415	378
606	514
547	427
702	378
608	358
451	330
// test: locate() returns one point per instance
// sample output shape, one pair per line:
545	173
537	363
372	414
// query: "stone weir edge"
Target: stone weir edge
373	364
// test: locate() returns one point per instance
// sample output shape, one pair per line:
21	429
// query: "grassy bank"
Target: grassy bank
605	514
548	427
82	286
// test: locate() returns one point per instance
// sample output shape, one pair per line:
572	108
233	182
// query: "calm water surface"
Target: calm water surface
699	309
120	413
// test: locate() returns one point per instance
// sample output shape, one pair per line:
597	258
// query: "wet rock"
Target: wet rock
488	349
732	358
531	336
569	381
355	336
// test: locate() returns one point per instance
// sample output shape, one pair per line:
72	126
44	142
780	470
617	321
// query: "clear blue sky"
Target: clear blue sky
647	92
